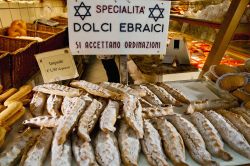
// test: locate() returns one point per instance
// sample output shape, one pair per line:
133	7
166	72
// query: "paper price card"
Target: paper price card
118	26
57	65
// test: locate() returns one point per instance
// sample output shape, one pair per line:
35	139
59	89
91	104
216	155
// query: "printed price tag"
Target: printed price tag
57	65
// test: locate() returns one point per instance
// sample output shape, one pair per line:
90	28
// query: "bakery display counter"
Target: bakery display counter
199	51
84	118
236	54
153	65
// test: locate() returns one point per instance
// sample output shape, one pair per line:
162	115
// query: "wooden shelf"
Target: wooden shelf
194	21
243	28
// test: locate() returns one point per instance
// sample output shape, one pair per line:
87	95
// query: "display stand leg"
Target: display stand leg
123	69
225	34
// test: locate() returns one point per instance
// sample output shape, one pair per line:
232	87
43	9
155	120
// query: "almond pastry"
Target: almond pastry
231	82
224	69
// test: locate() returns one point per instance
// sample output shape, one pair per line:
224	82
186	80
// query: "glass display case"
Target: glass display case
201	22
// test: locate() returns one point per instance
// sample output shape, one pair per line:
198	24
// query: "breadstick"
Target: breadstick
2	107
2	135
14	118
12	108
7	94
1	88
23	91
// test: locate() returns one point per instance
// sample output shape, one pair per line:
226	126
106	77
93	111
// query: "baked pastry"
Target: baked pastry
150	96
37	103
152	146
11	110
242	112
247	65
247	88
231	82
7	94
120	88
133	114
17	28
22	143
247	105
96	90
2	107
224	69
229	133
242	68
20	94
163	95
1	88
68	122
61	155
89	118
211	104
60	90
154	112
109	116
53	105
172	141
178	95
238	121
129	145
2	135
83	152
7	124
210	135
240	94
42	121
192	139
106	149
38	153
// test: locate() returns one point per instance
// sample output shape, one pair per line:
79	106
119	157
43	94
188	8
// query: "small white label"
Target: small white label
57	65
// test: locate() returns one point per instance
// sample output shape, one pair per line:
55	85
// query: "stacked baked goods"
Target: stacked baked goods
12	103
17	28
233	80
110	123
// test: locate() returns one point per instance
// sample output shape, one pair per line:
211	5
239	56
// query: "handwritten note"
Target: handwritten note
57	65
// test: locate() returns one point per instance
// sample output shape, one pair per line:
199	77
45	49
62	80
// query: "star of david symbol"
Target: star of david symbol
81	12
154	14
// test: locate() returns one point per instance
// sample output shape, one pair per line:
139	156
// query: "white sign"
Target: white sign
118	26
57	65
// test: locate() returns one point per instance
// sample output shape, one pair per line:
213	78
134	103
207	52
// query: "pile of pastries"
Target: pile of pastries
18	29
110	123
233	80
12	103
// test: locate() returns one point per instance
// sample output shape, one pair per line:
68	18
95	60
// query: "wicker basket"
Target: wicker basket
44	28
51	40
61	34
62	20
5	69
22	61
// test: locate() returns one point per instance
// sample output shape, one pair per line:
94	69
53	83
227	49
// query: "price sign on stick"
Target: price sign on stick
118	26
57	65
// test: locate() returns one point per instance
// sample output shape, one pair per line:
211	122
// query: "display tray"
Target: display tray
153	65
194	90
